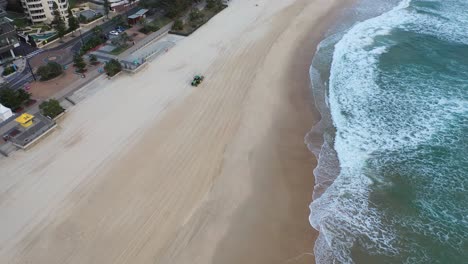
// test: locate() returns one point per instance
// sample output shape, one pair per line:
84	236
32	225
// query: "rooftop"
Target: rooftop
139	13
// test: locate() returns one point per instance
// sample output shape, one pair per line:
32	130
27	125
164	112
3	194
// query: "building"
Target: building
139	15
118	5
42	10
8	39
5	113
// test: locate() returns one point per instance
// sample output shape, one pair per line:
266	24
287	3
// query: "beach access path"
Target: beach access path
152	170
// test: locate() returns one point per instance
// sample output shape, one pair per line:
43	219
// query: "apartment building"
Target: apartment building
8	39
42	10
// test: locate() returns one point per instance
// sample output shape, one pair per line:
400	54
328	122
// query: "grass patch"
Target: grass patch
119	50
21	22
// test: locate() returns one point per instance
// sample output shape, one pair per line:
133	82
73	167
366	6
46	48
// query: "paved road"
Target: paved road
20	79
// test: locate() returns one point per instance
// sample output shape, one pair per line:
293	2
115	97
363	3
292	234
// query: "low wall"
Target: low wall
147	40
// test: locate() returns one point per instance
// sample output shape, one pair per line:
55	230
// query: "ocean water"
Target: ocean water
391	83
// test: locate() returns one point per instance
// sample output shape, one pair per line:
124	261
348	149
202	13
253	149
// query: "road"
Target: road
19	80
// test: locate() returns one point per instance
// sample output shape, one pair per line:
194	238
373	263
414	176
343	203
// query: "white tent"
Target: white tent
5	113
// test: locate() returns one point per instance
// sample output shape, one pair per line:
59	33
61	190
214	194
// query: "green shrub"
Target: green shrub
79	62
23	96
8	70
112	67
196	16
149	27
214	4
93	42
49	71
9	98
178	25
51	108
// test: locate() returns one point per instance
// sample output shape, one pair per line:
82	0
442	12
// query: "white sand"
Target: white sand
151	170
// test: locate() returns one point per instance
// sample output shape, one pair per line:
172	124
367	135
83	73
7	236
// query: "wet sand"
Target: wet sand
214	174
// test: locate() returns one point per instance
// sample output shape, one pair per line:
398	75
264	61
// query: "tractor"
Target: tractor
197	80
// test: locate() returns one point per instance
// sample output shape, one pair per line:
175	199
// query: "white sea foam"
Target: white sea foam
367	126
353	214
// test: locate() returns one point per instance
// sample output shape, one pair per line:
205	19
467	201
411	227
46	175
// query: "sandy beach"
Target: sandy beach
152	170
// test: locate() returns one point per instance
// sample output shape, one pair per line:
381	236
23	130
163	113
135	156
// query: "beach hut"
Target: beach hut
5	113
25	120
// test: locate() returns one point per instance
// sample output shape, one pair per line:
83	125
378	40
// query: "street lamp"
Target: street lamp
30	69
82	42
29	65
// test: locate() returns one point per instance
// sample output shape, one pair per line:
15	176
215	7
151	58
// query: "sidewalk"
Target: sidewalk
59	95
20	64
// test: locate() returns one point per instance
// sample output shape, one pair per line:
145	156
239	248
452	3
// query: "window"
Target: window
35	6
39	17
36	11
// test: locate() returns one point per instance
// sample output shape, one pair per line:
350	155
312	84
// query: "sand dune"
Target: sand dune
151	170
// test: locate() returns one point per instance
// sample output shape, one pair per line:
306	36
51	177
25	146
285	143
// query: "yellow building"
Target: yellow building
25	120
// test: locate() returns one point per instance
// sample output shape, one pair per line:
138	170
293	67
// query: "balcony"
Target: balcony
35	8
37	12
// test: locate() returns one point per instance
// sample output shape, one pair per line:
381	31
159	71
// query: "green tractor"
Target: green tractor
197	80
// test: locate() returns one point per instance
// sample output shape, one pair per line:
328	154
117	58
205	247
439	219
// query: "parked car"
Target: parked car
120	29
114	33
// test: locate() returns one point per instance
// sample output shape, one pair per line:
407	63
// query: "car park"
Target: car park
120	29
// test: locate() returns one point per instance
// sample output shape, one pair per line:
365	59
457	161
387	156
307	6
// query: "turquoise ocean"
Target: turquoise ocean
391	84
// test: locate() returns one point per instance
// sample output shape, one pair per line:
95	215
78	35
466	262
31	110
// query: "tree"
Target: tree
79	63
49	71
214	4
121	40
124	37
106	8
58	22
112	67
196	16
97	30
72	21
51	108
129	7
120	20
10	98
93	59
23	96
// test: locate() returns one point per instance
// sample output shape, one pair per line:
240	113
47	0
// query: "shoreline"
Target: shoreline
226	176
